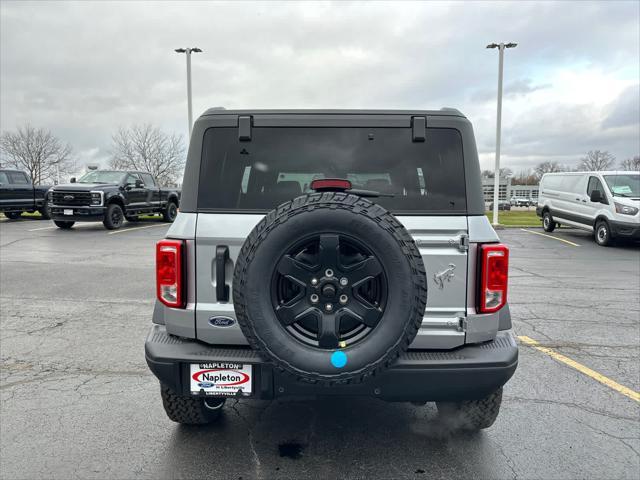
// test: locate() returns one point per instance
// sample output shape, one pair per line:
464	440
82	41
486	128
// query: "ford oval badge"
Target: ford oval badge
221	322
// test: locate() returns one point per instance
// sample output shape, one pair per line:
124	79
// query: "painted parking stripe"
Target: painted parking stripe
581	368
41	228
550	236
137	228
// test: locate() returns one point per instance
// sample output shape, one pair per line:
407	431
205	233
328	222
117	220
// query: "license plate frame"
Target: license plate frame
221	379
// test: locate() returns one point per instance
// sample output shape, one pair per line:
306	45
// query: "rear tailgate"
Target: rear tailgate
442	244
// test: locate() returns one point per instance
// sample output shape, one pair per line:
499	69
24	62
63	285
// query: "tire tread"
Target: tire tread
472	414
332	201
186	410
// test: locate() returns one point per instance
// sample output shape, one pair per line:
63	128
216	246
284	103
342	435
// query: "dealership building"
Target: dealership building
507	191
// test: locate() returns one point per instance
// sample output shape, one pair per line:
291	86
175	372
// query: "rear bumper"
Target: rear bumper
625	230
80	214
470	372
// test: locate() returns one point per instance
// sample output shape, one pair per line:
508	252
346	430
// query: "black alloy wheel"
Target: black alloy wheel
329	291
171	212
114	217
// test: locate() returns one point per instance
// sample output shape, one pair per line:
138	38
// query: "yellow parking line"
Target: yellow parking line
633	395
550	236
138	228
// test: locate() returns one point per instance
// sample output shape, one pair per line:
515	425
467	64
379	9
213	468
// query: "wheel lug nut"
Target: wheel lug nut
314	298
343	299
328	307
328	272
314	281
344	281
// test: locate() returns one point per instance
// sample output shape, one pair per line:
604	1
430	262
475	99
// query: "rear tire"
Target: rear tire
190	410
113	217
602	233
471	415
547	222
170	213
63	225
12	215
45	212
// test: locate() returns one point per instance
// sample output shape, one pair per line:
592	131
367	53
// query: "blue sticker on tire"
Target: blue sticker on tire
338	359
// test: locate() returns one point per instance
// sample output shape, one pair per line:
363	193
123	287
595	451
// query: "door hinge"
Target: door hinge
463	246
419	129
244	128
462	325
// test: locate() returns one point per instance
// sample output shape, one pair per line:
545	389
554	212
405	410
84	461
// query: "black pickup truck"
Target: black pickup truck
111	197
18	194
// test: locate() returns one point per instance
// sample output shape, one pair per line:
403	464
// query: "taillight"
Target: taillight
494	276
169	274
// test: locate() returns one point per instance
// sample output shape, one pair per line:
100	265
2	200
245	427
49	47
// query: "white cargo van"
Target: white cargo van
606	203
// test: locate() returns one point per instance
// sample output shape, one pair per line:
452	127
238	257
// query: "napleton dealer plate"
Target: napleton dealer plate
221	378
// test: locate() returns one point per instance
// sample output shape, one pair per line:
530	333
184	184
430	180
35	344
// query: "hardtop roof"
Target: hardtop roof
443	112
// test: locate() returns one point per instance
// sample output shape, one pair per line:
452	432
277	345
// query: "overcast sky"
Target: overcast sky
572	84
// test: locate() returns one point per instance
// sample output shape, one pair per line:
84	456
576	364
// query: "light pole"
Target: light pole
188	51
496	175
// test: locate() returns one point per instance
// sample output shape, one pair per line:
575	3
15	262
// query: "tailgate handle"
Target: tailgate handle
222	290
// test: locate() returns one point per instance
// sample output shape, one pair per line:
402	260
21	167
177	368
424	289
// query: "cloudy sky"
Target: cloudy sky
572	84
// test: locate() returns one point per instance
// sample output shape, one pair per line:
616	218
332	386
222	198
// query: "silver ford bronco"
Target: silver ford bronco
330	252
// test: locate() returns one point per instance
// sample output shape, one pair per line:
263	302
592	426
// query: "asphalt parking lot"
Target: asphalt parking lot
77	400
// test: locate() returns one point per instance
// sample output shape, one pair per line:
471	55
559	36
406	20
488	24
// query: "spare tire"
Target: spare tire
330	287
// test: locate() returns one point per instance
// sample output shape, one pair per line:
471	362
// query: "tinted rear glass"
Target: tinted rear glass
279	164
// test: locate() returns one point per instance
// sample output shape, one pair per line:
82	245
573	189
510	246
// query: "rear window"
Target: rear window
280	163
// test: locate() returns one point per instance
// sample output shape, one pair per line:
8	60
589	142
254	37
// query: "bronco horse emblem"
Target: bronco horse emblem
445	275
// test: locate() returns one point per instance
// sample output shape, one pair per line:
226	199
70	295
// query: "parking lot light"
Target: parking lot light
189	51
496	181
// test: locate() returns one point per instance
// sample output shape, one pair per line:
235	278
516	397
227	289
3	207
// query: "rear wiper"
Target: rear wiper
368	193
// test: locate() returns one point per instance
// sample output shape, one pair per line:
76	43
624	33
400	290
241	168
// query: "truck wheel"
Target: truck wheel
12	215
547	222
602	233
471	414
45	212
170	213
330	288
64	225
190	410
114	217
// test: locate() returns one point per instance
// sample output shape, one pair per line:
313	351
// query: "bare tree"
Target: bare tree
524	177
504	173
631	164
547	167
596	160
147	148
37	151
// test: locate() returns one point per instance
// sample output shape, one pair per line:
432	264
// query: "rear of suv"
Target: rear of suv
332	253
